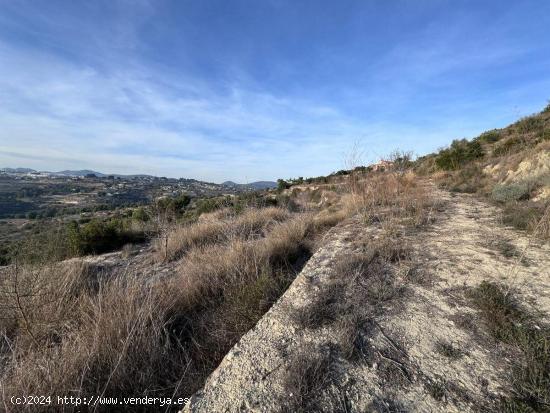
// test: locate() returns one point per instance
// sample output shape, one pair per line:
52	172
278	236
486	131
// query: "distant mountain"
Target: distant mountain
82	172
17	170
258	185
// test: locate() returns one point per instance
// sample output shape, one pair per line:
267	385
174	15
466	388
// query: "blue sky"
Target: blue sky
259	89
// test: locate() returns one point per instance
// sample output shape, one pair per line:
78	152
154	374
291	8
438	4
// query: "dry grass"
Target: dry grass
510	322
68	329
73	333
391	195
541	228
251	223
308	376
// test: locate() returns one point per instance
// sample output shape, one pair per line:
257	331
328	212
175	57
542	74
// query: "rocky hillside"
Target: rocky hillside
391	317
427	299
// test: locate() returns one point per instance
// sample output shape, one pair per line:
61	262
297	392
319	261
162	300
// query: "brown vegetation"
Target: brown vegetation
96	334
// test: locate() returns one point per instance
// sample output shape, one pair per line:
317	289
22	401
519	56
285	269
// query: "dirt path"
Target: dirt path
425	352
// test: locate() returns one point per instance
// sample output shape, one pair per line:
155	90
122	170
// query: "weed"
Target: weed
308	375
508	322
448	350
327	307
504	247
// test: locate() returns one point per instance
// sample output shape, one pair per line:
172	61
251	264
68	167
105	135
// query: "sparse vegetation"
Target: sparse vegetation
509	322
491	136
448	350
231	257
512	192
524	216
306	380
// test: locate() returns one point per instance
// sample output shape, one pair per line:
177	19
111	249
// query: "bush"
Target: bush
282	185
459	153
508	146
469	179
140	214
204	206
175	205
511	192
530	124
490	136
98	237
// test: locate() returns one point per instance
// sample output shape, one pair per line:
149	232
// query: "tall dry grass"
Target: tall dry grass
71	329
391	195
252	222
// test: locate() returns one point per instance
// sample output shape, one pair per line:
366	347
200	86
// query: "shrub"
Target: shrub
530	124
140	214
511	192
175	206
490	136
459	153
204	206
469	179
282	185
508	146
521	216
96	237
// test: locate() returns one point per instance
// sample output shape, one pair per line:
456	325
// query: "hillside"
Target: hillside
445	313
258	185
509	167
422	334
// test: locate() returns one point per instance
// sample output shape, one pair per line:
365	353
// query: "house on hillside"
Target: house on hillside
382	165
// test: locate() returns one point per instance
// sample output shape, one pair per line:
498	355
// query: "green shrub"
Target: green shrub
490	136
209	205
545	135
96	237
458	154
282	185
511	192
175	205
140	214
530	124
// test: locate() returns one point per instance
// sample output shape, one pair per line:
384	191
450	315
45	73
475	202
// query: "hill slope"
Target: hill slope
424	346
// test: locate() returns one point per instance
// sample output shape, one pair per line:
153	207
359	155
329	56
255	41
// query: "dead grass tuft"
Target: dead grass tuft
308	375
448	350
393	196
509	322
